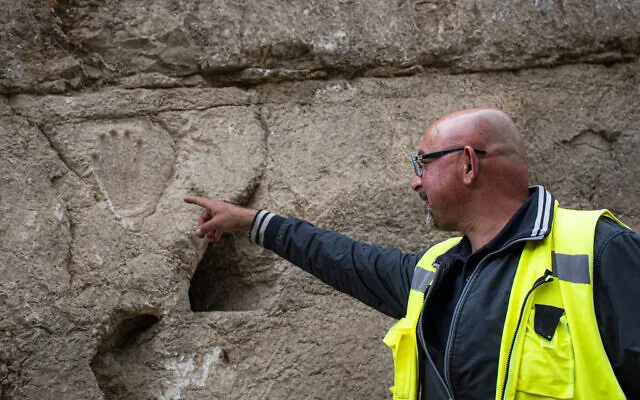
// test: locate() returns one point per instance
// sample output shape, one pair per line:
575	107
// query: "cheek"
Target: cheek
432	186
438	185
433	179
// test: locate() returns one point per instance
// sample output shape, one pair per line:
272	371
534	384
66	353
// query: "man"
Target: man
534	301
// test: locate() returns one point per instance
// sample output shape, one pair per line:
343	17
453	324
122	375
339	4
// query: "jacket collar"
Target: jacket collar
532	221
536	216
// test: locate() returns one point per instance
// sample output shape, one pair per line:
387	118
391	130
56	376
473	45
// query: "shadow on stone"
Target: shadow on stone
107	363
223	281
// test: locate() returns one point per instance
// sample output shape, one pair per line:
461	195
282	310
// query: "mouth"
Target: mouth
423	196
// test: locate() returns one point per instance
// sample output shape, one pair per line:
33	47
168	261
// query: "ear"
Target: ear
471	166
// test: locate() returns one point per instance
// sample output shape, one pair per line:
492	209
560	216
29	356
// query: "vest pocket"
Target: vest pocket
547	366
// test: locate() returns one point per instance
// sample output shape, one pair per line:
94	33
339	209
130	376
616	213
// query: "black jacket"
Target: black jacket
381	278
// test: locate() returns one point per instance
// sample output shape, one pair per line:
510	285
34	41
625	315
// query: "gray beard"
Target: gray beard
430	221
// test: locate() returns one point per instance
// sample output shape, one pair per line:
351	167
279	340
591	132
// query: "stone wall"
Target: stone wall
111	112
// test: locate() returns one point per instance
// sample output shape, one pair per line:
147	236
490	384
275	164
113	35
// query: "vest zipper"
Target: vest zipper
540	281
456	310
420	333
454	319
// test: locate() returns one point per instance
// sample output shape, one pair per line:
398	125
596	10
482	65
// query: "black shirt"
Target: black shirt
459	264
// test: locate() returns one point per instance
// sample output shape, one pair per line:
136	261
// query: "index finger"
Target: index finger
200	201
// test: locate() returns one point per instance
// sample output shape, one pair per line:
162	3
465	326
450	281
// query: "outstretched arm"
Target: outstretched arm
378	277
219	217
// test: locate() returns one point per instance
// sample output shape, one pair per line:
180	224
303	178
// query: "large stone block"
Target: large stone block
174	43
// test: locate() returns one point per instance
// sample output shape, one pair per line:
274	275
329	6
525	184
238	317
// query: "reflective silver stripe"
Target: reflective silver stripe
545	208
256	224
548	209
421	279
263	228
571	267
536	226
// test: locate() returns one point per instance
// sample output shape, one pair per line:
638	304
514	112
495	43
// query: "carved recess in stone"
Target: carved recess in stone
125	336
226	280
128	162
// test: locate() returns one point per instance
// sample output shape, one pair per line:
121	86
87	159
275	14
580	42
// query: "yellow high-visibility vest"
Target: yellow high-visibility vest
555	274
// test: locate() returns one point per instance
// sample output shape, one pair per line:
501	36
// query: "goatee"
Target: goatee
429	220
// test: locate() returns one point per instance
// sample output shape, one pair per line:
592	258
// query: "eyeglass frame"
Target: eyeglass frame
420	158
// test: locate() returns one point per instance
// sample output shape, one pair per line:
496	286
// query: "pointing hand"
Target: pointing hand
219	217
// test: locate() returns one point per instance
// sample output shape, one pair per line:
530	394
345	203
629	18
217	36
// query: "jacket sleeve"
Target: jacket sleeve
378	277
616	297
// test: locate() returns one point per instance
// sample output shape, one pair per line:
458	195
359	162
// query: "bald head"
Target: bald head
487	129
484	128
468	188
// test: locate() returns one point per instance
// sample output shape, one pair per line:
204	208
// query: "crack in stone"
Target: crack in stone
69	256
72	227
148	114
262	120
250	77
60	155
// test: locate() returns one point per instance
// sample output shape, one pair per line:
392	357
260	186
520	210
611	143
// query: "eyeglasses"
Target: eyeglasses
421	158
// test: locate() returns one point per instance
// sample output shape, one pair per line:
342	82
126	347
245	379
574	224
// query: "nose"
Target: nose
416	183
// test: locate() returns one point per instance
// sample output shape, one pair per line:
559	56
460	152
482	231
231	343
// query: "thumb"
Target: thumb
210	226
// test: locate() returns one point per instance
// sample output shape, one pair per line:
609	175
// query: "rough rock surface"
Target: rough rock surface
111	112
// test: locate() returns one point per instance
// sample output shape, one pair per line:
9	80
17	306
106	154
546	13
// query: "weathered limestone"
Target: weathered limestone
169	43
111	113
